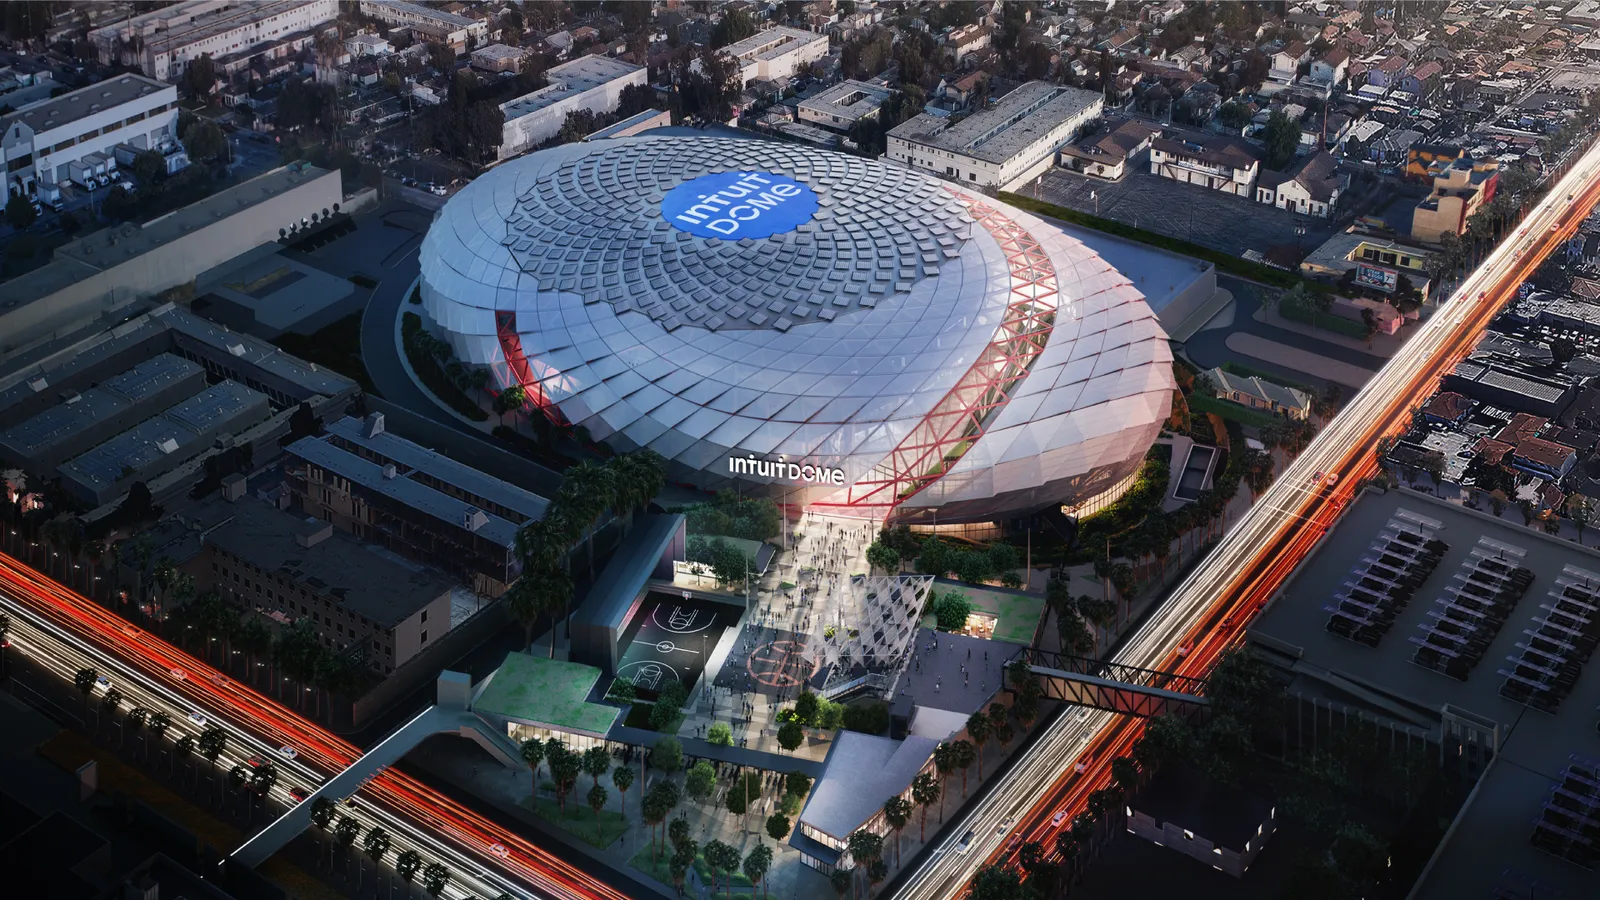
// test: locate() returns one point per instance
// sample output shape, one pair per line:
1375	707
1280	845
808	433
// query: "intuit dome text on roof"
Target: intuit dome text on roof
734	205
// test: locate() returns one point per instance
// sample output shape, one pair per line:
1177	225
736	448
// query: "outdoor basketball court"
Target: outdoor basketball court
768	661
670	638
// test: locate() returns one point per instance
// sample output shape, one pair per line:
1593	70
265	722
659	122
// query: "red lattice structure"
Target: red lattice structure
505	324
958	420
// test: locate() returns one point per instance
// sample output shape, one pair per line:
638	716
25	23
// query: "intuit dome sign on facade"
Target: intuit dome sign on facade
830	329
734	205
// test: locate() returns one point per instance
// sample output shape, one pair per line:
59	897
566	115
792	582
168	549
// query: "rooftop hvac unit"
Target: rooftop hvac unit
38	384
389	471
474	518
167	445
236	349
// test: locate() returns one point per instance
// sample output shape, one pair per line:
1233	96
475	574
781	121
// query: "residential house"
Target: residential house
1258	393
1332	69
1388	73
1423	81
1214	162
1448	408
1286	63
962	42
1312	189
1106	154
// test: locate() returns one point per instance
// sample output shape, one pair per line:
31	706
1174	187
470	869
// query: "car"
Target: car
966	843
126	185
1080	767
287	752
438	189
197	719
102	684
256	761
1555	226
1004	826
1058	818
500	851
177	674
299	794
1083	714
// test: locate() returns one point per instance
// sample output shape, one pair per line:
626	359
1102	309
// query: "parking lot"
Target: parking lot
1209	218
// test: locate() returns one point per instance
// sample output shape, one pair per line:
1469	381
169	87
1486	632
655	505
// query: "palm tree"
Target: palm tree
925	791
346	831
113	701
979	730
533	754
184	748
962	755
434	879
897	812
597	802
84	681
622	777
159	723
377	846
944	760
138	717
756	865
584	495
406	866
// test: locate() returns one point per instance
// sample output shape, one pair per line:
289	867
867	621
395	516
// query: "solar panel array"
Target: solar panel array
1383	582
1561	640
1474	606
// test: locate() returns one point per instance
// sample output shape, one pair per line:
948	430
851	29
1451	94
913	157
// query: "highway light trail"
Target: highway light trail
65	632
1208	612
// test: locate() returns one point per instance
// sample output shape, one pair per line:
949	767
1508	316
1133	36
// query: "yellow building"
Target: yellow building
1460	188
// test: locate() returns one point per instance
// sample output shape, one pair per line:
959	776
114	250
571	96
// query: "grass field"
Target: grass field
578	819
551	691
1016	614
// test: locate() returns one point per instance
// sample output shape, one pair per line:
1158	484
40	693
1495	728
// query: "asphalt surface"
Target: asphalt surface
1208	348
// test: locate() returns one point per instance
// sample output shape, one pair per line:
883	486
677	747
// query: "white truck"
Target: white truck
81	173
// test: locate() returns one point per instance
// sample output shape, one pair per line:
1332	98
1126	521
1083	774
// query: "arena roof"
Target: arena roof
837	339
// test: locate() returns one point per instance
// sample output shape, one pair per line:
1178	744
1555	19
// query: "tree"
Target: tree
952	609
597	801
510	399
962	755
843	878
715	856
700	781
84	681
778	826
622	777
205	142
199	77
533	754
596	762
979	729
897	812
667	754
377	845
19	212
407	864
346	831
791	736
756	864
997	882
925	792
882	556
720	734
434	878
736	25
565	766
1282	137
1234	115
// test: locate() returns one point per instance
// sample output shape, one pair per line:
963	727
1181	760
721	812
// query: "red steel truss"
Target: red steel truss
505	324
958	420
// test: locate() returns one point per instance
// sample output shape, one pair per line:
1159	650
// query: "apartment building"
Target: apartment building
289	569
594	83
1005	145
1460	188
162	43
778	52
42	141
437	25
422	505
1211	161
840	107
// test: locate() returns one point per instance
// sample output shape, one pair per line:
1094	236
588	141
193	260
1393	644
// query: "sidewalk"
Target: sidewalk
1298	360
1385	345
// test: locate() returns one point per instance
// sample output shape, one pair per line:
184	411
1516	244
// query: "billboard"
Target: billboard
1378	277
733	205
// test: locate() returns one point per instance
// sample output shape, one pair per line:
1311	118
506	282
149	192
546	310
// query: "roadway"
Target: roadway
64	633
1208	612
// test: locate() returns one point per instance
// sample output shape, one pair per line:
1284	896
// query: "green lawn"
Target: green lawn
551	692
1325	321
1227	409
578	820
1017	615
660	871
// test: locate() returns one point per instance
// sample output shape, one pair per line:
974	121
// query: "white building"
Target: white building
775	53
41	141
163	42
1219	163
843	105
1000	147
594	83
459	32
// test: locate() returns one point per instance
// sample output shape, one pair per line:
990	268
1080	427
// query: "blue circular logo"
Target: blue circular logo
733	205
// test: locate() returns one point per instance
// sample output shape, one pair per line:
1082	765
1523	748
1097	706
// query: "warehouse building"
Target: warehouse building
163	42
593	83
43	142
779	52
1008	144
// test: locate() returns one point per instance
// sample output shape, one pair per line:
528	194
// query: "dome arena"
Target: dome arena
836	331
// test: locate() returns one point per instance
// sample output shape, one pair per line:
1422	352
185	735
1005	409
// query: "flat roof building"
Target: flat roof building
1000	147
160	444
162	43
843	105
420	504
82	420
594	83
44	139
96	278
290	569
778	52
863	771
434	24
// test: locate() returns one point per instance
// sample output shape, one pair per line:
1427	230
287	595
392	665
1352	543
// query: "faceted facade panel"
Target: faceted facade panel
907	322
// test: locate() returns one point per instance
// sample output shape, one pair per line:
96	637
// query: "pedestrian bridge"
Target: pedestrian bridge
1123	689
450	715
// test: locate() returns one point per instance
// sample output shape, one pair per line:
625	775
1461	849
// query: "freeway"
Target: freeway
1208	612
64	632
